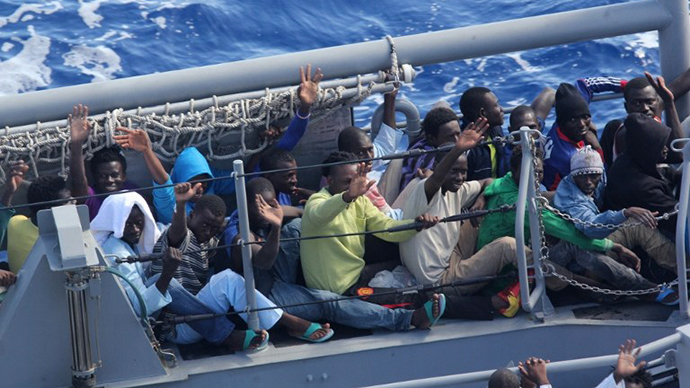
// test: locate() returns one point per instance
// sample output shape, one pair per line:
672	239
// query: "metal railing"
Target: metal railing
682	226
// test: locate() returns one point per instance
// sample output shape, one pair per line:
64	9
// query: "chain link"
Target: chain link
598	225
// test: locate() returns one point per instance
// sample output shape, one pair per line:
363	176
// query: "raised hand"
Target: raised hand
185	191
472	134
135	139
270	212
271	134
308	89
426	221
626	361
660	86
15	174
359	185
79	127
644	216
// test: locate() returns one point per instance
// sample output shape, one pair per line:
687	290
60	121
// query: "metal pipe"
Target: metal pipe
247	268
341	61
83	367
554	367
681	227
674	47
526	171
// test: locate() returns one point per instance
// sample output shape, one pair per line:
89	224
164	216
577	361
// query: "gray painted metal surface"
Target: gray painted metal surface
682	225
674	47
342	61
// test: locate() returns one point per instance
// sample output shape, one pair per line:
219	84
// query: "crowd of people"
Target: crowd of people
623	177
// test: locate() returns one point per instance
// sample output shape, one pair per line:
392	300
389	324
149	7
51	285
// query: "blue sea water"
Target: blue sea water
50	44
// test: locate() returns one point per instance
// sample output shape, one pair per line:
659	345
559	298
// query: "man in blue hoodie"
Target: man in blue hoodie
581	195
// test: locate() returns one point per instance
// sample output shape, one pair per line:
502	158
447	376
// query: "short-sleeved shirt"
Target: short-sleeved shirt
427	254
21	237
193	271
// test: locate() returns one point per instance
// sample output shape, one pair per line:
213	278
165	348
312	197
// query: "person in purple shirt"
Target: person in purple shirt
108	165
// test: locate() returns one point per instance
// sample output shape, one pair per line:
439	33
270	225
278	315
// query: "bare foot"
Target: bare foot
420	320
235	340
298	326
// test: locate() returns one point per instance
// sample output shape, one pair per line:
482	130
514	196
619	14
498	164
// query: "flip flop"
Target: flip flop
429	307
249	336
313	327
663	293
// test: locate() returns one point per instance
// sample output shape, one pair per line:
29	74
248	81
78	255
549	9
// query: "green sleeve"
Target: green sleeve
323	209
376	220
557	227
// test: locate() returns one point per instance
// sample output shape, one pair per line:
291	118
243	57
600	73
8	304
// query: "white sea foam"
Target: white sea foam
45	8
7	46
87	11
26	71
99	62
160	20
523	63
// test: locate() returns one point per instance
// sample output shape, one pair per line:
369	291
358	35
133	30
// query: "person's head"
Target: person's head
641	379
264	188
134	226
586	168
191	166
48	188
441	126
645	141
640	97
355	141
457	174
279	159
206	220
504	378
523	116
572	112
108	170
339	177
516	161
478	102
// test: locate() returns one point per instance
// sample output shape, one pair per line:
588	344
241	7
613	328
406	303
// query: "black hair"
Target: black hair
334	157
258	186
636	83
44	188
213	203
442	154
435	118
349	137
107	155
504	378
471	101
643	377
272	159
516	157
520	111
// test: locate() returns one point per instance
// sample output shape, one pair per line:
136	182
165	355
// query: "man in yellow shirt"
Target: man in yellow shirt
22	231
336	264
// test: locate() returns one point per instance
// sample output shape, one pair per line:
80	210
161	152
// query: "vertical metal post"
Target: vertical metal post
83	367
681	228
674	47
240	190
683	356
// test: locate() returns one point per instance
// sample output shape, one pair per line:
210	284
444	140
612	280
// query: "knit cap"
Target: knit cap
586	161
569	103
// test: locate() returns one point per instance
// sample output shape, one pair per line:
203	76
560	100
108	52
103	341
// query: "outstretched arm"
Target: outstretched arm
15	178
263	255
138	140
178	228
672	119
79	129
308	92
471	136
626	361
543	103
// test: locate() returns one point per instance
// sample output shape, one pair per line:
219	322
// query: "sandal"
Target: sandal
249	336
429	307
511	295
664	293
306	336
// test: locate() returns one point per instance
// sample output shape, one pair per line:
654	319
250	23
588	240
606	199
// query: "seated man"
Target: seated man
22	231
124	228
191	165
108	166
280	262
336	264
357	142
440	126
196	236
634	180
572	249
581	195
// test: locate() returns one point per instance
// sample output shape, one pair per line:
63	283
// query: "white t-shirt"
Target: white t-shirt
427	254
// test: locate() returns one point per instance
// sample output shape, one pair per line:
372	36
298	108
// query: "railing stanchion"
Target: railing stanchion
238	168
681	228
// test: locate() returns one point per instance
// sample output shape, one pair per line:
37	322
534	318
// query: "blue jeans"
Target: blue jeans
214	330
355	313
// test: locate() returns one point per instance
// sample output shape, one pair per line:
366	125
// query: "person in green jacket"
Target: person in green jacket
605	260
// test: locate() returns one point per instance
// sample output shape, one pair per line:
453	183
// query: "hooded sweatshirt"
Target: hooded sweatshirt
189	164
108	227
504	191
633	178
